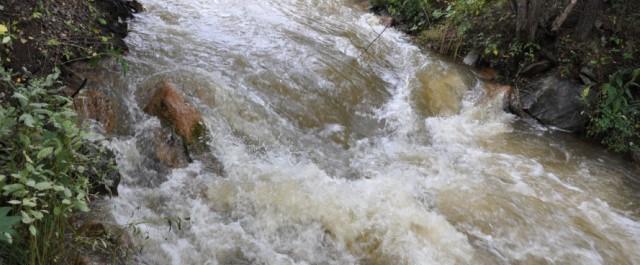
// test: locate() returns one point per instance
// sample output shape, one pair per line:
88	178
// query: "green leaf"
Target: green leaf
45	152
27	119
36	214
33	230
21	98
82	206
12	188
53	42
26	219
45	185
6	40
6	224
29	202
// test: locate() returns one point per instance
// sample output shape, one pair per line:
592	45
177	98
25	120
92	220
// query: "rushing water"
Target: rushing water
338	154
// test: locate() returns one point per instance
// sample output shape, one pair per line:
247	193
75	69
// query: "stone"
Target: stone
441	90
494	89
472	58
163	146
95	105
487	74
554	102
168	104
387	21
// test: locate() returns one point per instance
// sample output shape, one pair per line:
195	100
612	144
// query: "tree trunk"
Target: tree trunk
527	14
590	12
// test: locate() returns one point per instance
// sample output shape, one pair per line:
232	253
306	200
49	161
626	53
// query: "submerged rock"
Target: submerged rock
168	104
492	90
163	146
554	102
441	90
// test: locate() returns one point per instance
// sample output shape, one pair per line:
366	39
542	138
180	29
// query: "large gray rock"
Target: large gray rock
554	102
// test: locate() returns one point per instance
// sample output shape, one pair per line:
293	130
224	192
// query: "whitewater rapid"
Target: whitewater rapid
338	154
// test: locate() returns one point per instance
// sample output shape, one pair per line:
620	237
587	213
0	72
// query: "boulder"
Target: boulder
95	105
168	104
553	101
187	138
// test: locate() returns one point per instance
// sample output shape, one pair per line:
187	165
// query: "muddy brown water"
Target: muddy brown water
334	154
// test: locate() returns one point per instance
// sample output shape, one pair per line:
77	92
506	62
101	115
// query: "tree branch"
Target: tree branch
557	23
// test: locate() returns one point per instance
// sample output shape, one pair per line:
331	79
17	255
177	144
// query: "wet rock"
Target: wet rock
441	90
472	58
163	146
487	74
636	158
494	89
95	105
115	242
554	102
135	6
94	90
117	12
387	21
112	232
168	104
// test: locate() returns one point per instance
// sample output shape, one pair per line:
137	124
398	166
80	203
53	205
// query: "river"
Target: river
338	154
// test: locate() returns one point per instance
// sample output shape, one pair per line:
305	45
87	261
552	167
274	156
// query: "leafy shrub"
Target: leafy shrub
42	170
418	14
616	119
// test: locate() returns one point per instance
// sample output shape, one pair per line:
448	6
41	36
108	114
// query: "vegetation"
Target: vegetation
616	119
593	41
42	169
49	169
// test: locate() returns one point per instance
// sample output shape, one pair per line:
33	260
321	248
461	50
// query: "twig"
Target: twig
562	17
377	37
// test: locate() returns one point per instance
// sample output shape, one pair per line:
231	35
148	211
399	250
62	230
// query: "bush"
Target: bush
616	119
42	171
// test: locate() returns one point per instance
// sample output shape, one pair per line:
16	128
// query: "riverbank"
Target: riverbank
573	65
60	173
